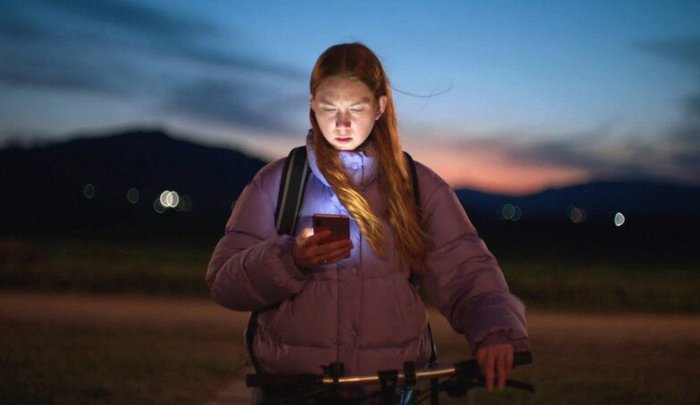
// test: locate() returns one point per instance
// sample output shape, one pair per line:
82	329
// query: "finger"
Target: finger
490	372
335	245
501	369
303	236
318	237
480	357
306	232
338	255
509	362
481	360
313	249
309	254
339	247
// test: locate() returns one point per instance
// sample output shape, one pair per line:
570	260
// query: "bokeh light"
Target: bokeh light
169	199
133	195
158	207
89	191
619	219
577	215
510	212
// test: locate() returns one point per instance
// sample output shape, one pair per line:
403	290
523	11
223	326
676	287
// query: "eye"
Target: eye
357	110
329	109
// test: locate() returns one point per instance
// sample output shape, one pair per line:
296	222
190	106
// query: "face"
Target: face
346	111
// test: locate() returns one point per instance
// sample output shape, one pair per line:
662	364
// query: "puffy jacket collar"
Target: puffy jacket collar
359	165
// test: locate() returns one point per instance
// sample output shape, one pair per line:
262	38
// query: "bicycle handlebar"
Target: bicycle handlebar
466	369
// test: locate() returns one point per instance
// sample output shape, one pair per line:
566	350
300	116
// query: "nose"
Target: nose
343	119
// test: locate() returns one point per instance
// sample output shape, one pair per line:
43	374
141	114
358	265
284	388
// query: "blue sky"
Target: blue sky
506	96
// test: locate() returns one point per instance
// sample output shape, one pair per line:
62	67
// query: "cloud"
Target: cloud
172	35
62	75
685	138
135	16
76	45
57	67
673	154
682	140
241	103
247	64
14	28
601	158
670	153
692	105
126	49
685	50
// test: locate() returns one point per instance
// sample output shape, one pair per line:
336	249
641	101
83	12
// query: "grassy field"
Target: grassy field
177	267
605	287
72	349
77	326
116	265
59	348
604	359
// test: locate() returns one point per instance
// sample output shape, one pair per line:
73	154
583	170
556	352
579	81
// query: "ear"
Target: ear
382	106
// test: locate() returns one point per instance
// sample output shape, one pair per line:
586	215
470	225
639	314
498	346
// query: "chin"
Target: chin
345	147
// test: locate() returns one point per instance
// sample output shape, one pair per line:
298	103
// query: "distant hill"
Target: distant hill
85	183
593	201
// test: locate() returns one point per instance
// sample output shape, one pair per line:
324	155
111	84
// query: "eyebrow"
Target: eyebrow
363	100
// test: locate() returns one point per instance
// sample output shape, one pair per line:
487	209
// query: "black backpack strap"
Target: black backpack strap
296	172
291	192
414	277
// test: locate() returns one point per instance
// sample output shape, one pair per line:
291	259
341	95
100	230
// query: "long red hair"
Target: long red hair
358	62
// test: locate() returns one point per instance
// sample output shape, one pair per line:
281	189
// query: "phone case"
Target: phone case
339	225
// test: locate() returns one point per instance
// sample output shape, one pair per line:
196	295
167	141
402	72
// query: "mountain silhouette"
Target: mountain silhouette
86	181
596	200
114	182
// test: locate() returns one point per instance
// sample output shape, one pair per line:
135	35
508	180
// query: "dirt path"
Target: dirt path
67	308
168	311
666	342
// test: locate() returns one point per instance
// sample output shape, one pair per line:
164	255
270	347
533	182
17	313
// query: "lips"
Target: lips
343	139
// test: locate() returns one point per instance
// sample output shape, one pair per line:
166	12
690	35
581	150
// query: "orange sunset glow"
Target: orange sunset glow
491	170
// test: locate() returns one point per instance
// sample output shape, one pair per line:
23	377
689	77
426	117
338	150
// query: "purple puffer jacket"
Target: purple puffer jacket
361	311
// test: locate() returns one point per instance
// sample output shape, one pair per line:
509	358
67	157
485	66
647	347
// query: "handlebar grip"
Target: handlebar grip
468	374
470	368
280	380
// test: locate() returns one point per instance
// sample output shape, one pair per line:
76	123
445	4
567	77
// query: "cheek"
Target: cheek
366	122
323	120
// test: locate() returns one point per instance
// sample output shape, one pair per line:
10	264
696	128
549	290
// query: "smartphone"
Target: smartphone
339	225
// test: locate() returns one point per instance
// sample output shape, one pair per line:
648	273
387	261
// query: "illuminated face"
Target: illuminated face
346	111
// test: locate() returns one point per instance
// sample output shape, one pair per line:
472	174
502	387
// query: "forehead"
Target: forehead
340	88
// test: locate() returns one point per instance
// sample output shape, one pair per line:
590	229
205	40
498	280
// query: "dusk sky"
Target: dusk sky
502	96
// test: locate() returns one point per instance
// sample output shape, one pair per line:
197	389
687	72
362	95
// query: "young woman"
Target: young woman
350	300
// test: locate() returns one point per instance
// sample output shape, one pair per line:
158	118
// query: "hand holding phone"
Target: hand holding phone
329	243
339	225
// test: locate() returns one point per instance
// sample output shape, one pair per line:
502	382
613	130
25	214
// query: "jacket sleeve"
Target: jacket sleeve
463	279
252	267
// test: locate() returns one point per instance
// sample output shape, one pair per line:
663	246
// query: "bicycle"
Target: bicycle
396	387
